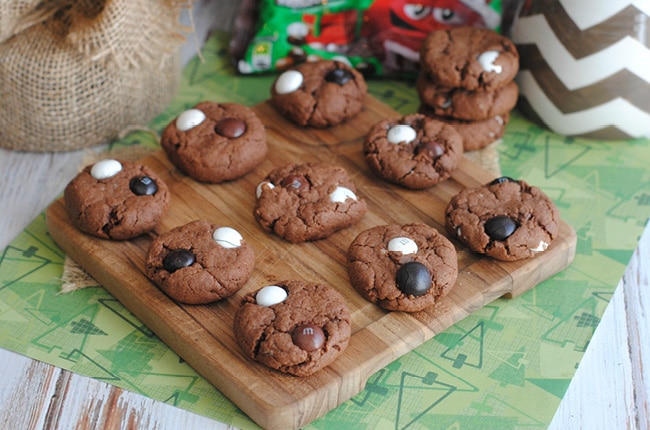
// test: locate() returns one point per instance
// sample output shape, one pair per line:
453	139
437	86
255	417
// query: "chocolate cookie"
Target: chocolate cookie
294	327
200	262
505	219
475	134
466	105
302	202
402	268
319	94
215	142
115	199
413	151
475	59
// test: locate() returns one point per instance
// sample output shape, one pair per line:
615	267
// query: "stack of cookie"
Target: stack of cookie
466	79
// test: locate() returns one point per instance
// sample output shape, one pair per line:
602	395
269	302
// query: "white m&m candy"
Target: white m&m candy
227	237
341	194
270	295
261	186
487	59
189	119
105	169
541	247
401	133
288	82
403	245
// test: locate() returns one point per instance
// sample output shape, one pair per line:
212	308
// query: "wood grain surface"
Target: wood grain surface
202	335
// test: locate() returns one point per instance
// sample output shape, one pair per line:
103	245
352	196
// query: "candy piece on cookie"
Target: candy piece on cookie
506	219
414	151
402	268
200	262
300	334
114	199
215	142
302	202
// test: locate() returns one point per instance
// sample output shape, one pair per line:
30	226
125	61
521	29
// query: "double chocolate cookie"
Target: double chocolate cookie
302	202
505	219
474	134
319	94
402	268
472	58
114	199
294	327
215	142
413	151
200	262
462	104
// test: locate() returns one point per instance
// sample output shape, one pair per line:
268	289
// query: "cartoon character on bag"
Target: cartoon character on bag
396	28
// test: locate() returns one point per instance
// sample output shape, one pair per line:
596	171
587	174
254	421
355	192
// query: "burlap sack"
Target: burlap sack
75	73
11	13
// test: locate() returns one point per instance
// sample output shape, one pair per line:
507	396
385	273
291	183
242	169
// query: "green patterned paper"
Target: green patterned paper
506	366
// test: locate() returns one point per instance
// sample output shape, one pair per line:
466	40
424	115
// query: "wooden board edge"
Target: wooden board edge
292	414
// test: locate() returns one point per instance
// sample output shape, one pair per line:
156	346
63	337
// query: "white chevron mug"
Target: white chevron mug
585	66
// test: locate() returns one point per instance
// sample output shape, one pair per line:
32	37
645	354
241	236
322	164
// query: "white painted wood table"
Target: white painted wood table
609	391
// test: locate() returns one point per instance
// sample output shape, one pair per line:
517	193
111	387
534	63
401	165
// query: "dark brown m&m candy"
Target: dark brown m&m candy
413	278
308	337
295	182
177	259
338	76
433	148
230	127
143	186
500	227
501	180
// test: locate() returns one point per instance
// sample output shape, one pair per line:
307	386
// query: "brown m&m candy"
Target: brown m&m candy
433	148
308	337
177	259
231	127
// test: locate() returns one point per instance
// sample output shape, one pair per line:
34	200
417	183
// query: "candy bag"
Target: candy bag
377	37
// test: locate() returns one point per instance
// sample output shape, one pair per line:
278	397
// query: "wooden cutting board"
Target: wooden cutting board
202	335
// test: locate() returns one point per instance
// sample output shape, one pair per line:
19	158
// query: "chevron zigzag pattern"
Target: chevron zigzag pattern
581	42
600	10
629	119
627	53
579	74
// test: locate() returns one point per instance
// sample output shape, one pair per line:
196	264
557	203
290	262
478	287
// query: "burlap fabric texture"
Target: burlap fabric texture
74	73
